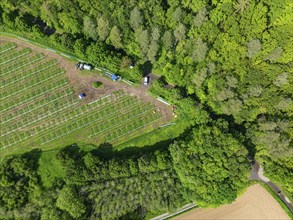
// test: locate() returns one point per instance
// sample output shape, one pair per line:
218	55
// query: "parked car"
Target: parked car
145	80
82	66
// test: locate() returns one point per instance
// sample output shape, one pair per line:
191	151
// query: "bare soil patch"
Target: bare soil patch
255	203
82	80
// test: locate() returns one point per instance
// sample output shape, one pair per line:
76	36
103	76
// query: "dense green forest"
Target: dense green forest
78	184
232	60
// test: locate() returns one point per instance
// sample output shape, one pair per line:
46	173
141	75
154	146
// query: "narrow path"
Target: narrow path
256	173
169	215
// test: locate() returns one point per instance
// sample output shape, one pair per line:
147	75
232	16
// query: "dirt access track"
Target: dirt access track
255	203
82	80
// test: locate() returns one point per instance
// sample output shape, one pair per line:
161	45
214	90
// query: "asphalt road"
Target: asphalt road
256	173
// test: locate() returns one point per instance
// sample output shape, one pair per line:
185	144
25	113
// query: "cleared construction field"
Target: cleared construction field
39	106
255	203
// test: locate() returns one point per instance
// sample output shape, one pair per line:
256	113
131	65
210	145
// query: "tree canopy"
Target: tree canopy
211	163
226	65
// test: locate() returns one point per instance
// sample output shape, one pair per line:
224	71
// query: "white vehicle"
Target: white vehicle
87	67
83	66
145	80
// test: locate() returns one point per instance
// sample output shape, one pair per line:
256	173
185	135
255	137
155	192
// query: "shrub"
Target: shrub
97	85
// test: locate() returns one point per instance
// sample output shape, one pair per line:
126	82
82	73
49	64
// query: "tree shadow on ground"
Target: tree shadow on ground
146	68
107	151
73	151
33	157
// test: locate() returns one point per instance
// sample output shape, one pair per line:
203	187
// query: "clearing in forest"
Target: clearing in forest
39	104
255	203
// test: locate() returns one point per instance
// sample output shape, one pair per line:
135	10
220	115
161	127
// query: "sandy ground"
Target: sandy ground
255	203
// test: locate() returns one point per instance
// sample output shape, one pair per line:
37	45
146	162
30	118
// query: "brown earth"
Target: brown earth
82	80
255	203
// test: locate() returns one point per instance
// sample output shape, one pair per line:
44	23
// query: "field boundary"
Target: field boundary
256	173
180	211
276	197
264	185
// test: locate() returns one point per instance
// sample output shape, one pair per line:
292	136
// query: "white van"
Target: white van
145	80
87	67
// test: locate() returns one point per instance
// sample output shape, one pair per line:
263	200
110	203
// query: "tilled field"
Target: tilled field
255	203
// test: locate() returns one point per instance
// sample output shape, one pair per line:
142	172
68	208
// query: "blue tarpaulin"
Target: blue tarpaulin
114	77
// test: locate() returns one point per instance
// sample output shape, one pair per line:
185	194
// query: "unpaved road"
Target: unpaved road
255	203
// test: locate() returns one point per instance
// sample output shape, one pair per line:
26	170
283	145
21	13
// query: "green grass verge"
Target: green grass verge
154	137
282	187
